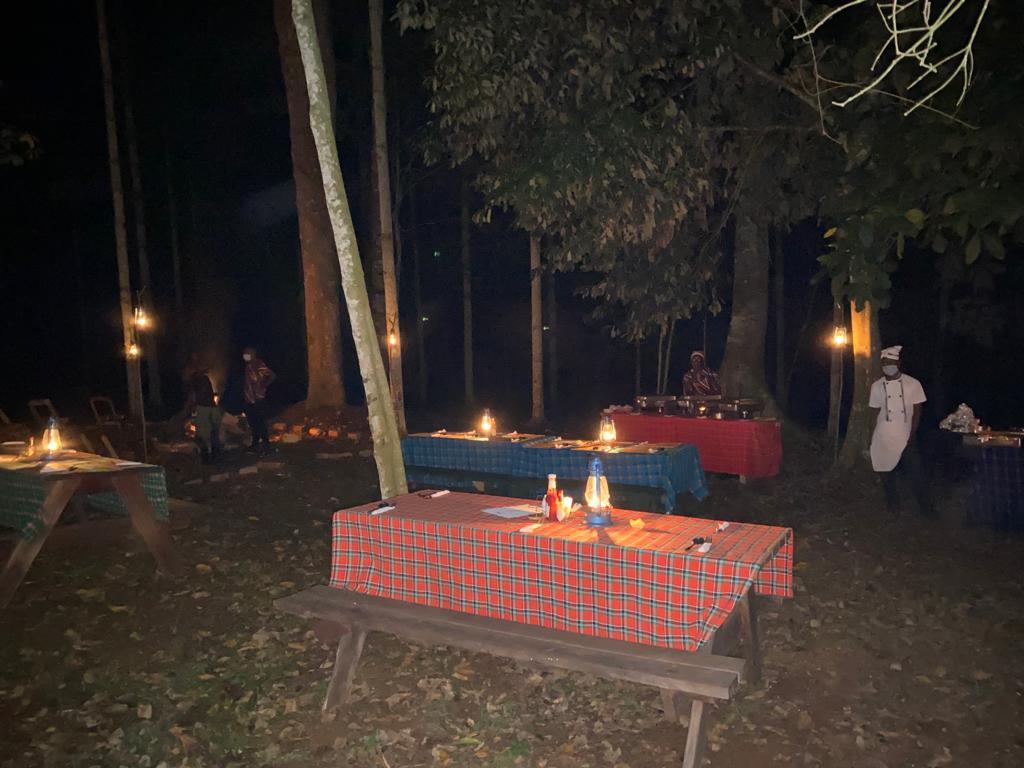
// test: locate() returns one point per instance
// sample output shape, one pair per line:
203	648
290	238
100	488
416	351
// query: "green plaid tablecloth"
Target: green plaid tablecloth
22	493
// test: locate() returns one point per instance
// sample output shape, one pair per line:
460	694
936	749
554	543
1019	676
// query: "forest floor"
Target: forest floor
903	647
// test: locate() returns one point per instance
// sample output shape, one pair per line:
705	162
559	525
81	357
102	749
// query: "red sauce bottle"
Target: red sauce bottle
551	499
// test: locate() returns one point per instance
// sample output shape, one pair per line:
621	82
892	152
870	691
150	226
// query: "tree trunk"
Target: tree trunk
779	285
467	297
552	351
661	360
387	236
666	367
149	342
320	277
417	293
743	367
387	448
120	230
536	341
864	331
172	223
835	399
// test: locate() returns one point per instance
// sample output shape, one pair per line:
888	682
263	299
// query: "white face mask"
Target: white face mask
247	358
890	370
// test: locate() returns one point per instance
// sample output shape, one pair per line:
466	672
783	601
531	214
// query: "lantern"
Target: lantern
52	442
141	319
596	495
839	337
133	351
488	427
607	433
702	409
392	339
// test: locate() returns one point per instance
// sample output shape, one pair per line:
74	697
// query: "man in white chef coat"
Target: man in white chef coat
898	398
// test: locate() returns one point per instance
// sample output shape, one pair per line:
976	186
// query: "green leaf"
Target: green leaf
973	249
939	244
915	216
993	245
950	207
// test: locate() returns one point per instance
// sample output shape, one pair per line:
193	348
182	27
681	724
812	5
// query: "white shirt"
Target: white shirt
895	400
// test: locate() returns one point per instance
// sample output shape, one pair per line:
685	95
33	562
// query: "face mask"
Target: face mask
890	370
247	358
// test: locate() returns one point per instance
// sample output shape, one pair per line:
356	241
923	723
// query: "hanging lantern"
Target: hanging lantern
133	351
52	442
142	321
607	433
392	339
839	337
599	504
488	427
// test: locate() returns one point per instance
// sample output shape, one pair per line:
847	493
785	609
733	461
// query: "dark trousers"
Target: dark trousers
912	466
256	413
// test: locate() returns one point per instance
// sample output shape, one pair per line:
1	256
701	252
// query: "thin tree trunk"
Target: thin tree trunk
552	351
835	388
320	276
120	230
779	285
387	448
743	367
172	223
661	360
387	236
864	331
667	367
417	292
467	296
149	342
536	341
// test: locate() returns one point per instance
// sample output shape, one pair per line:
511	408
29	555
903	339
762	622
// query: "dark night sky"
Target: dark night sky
208	94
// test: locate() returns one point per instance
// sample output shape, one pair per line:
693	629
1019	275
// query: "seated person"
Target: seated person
700	381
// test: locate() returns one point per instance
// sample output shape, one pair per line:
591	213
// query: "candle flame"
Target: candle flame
839	337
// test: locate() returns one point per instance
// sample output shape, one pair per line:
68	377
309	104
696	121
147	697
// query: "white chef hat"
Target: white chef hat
891	353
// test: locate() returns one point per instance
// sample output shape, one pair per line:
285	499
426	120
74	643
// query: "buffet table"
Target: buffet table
459	461
750	448
997	485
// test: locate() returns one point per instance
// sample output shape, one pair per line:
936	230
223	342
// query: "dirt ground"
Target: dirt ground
902	647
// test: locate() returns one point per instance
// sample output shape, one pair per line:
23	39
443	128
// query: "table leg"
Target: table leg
751	640
25	550
693	754
674	702
155	533
350	648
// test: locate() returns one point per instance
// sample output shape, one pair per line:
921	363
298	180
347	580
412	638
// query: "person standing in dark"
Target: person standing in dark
201	403
258	377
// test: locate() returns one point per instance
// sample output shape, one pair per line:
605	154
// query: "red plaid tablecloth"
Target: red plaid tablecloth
749	448
629	584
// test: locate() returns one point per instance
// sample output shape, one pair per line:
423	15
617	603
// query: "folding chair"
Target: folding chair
42	411
105	413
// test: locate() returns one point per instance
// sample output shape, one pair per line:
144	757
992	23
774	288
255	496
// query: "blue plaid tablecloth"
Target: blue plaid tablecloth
997	484
22	493
429	452
673	470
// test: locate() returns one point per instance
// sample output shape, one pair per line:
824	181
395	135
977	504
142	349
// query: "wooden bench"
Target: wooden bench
702	677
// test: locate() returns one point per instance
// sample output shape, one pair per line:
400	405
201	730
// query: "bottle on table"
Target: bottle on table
551	499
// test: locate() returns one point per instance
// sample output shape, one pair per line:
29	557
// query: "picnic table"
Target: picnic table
749	448
447	460
34	492
630	603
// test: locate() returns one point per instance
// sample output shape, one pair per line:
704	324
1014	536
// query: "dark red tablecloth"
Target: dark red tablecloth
749	448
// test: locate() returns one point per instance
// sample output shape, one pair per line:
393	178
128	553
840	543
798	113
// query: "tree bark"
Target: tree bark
779	295
743	367
551	378
387	449
667	365
835	399
536	341
320	277
148	340
417	293
467	297
120	230
387	236
864	331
